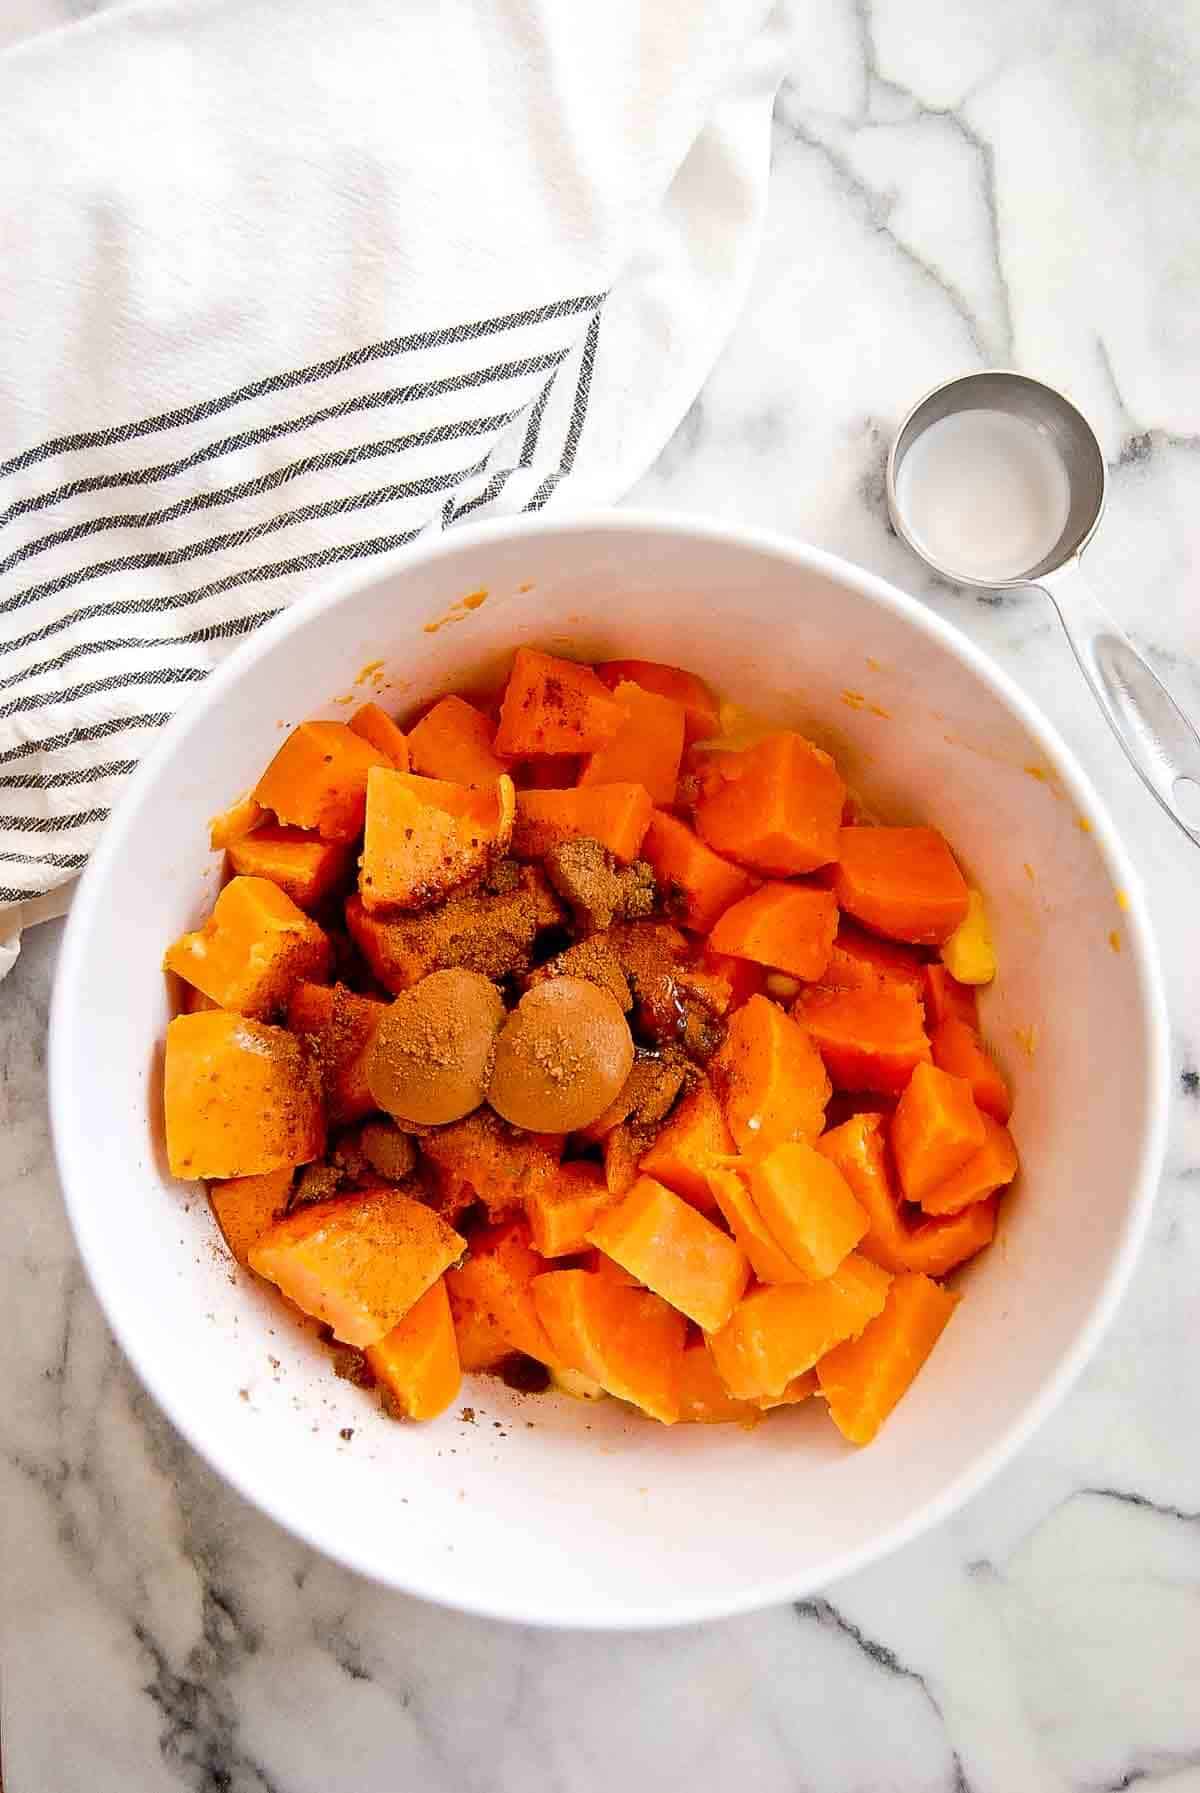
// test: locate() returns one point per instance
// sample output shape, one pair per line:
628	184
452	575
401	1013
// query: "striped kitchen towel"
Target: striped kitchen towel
287	283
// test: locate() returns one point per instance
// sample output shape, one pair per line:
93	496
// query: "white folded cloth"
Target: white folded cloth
286	283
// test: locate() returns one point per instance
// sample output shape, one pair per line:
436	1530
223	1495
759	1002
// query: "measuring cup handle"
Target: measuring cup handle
1161	743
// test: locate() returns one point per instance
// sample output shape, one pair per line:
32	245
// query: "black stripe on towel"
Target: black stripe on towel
57	781
303	376
239	538
578	415
74	737
265	482
271	432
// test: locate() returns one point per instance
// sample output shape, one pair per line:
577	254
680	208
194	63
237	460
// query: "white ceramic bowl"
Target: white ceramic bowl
544	1509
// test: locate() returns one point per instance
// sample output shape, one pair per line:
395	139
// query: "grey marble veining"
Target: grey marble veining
955	182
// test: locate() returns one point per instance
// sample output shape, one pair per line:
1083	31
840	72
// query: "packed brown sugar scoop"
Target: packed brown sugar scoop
509	1045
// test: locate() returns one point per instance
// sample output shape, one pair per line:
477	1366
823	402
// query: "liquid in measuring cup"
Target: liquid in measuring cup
984	493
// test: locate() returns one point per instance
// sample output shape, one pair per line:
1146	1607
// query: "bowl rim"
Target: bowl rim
73	1163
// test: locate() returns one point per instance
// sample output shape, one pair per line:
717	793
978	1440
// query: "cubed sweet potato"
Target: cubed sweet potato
862	1379
935	1129
252	949
454	741
305	867
491	1297
770	1078
775	807
318	780
616	815
903	883
563	1208
645	750
244	1207
358	1262
957	1048
671	1248
786	927
695	884
869	1039
808	1207
627	1340
416	1363
241	1098
779	1332
377	727
554	706
702	712
985	1171
341	1025
423	838
692	1136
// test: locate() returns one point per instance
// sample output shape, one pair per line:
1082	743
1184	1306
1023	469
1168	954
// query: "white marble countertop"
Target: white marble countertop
956	183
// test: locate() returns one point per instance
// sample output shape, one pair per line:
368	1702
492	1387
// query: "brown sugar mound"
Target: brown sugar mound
561	1057
488	1159
597	890
592	959
491	932
673	1004
431	1056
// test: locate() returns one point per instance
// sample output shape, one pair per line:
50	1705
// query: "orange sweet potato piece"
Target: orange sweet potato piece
377	727
902	882
417	1361
234	823
671	1248
935	1246
244	1207
195	1000
869	1039
424	837
693	1134
305	867
768	1260
798	1389
357	1262
946	998
704	1399
695	884
627	1340
863	1378
701	710
491	1298
985	1171
860	962
808	1207
940	1244
958	1049
476	930
554	706
646	749
858	1149
742	977
788	927
318	779
254	946
778	1332
503	1167
770	1077
775	807
453	741
935	1129
342	1025
563	1208
617	815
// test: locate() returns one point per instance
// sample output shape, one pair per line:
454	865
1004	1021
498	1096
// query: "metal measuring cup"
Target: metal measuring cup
1160	742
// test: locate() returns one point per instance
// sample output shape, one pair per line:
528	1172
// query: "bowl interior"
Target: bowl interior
543	1508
